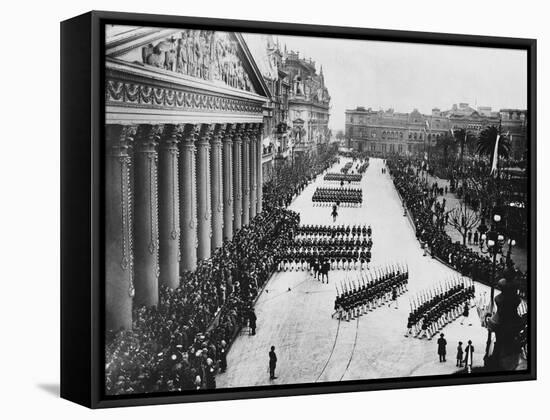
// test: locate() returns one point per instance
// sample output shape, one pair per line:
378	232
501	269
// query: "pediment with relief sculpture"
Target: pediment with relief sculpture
217	58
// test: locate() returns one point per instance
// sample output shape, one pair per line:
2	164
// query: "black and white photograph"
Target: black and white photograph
288	210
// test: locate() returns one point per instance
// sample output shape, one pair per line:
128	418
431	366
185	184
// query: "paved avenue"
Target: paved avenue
294	310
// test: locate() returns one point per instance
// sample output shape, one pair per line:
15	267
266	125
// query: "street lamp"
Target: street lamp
511	244
495	241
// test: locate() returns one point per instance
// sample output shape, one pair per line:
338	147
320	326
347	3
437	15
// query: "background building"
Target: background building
184	124
514	121
388	131
308	104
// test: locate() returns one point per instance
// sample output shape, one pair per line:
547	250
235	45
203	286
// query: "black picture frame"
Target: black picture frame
82	218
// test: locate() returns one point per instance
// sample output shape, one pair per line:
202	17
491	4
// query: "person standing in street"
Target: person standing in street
442	348
466	314
252	321
459	355
469	356
272	363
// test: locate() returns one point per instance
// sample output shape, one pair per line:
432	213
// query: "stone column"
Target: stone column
119	281
146	228
227	166
216	186
237	179
204	213
259	177
169	207
253	170
188	199
245	170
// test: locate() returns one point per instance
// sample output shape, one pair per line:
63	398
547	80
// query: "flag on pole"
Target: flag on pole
495	157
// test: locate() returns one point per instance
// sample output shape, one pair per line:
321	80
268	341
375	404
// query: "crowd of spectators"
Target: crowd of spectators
294	177
182	343
469	180
420	200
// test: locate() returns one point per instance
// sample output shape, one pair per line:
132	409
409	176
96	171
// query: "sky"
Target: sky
404	76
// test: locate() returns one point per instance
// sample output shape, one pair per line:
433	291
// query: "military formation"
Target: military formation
321	248
370	290
342	196
347	168
343	178
360	168
432	310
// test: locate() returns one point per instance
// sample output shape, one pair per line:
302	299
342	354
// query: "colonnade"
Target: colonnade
173	193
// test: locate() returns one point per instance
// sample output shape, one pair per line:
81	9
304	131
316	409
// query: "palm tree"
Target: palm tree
487	140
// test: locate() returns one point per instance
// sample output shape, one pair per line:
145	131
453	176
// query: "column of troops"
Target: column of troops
362	168
371	290
347	197
346	168
173	194
432	310
322	248
343	178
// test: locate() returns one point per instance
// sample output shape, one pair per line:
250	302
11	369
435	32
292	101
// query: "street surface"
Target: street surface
294	310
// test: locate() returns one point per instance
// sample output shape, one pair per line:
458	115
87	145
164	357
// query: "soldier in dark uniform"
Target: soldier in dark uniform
252	321
394	298
442	348
325	269
272	363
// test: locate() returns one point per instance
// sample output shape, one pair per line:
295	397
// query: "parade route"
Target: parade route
294	310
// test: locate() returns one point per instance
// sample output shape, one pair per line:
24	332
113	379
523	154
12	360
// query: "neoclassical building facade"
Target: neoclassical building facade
388	131
183	151
381	132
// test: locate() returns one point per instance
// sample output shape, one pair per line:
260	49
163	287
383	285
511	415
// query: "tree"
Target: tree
463	220
445	143
487	140
463	138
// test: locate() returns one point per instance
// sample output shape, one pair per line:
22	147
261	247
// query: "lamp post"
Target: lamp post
511	244
494	240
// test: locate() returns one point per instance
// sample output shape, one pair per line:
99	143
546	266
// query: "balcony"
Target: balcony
267	150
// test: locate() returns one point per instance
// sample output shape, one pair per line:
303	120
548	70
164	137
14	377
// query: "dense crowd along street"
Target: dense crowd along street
187	343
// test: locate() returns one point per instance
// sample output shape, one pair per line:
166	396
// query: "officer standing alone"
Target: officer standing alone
272	363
